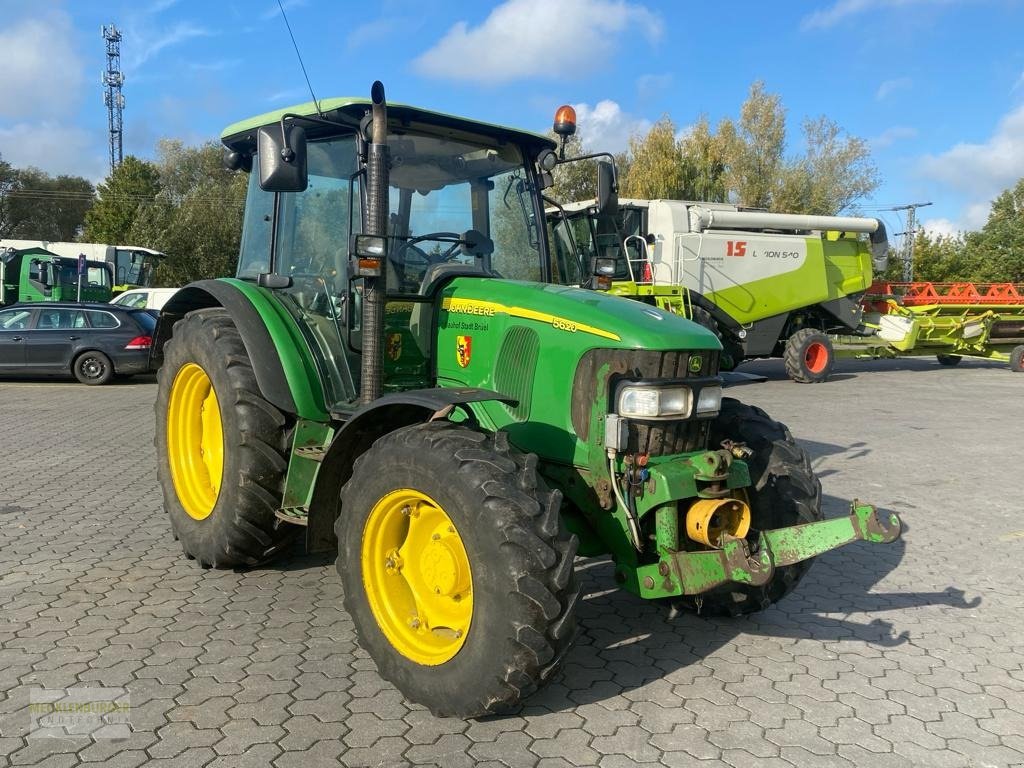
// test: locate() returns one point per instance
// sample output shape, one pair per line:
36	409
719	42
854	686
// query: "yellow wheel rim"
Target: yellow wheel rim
417	577
195	441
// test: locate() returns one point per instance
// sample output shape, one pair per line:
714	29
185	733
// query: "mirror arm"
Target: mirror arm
286	152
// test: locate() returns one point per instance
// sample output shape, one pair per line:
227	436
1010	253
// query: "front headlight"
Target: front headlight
647	402
709	401
650	401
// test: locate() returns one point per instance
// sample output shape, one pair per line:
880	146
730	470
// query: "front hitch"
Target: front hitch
692	573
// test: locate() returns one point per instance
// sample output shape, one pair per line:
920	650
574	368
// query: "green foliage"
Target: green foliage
999	246
37	206
742	161
196	217
129	189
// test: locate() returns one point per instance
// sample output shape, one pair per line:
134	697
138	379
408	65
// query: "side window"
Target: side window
33	270
102	320
254	257
14	319
314	227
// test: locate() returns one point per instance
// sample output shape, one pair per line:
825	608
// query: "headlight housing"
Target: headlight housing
649	401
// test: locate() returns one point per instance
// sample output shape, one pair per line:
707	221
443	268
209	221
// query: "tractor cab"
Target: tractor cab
461	202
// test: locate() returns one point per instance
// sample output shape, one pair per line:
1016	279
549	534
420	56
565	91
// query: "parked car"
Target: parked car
144	298
92	342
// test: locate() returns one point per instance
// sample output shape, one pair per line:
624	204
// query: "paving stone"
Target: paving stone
877	659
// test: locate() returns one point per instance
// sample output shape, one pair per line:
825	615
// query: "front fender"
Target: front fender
370	422
280	359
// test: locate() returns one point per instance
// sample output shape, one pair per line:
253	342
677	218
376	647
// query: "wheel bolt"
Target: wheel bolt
414	623
436	536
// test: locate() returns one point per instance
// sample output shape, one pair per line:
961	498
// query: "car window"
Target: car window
134	300
102	319
145	320
60	319
14	319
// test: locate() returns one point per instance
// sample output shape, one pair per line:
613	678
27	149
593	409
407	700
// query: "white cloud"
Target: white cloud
977	173
843	9
606	128
275	10
42	71
54	148
940	227
890	136
889	86
537	38
140	48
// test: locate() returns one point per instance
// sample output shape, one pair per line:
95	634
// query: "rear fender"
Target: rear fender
363	429
280	359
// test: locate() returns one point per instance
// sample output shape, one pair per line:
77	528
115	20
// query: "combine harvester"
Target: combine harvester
786	285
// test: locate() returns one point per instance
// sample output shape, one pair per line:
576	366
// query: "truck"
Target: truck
36	274
133	266
767	284
395	374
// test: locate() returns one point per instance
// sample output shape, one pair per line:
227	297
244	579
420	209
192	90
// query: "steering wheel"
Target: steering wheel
411	245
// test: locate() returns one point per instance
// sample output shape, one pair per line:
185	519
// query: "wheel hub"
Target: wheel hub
417	576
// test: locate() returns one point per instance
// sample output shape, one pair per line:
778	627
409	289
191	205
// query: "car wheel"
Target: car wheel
93	367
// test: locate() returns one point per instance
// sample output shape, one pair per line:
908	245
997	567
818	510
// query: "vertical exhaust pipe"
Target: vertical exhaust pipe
376	223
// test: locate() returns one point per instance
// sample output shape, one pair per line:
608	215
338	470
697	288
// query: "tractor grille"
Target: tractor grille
601	369
514	369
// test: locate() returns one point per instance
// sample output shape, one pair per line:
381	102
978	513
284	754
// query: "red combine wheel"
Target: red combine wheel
809	356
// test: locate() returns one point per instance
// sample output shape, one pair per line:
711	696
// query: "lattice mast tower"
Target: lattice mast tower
112	80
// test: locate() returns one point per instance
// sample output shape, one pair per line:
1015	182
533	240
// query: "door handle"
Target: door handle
74	338
17	338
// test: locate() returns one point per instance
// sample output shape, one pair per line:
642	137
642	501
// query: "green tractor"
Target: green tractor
396	373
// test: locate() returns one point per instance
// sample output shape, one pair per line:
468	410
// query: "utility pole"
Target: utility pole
908	237
112	80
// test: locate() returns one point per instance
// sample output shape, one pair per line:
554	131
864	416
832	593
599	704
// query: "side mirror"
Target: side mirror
282	153
607	189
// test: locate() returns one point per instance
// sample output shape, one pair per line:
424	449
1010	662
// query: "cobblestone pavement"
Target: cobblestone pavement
905	655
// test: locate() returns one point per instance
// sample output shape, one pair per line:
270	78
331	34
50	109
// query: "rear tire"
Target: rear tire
949	360
93	368
784	492
1017	359
809	356
521	590
233	522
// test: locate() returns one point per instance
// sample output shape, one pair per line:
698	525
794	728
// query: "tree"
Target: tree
835	171
8	182
44	207
129	189
656	167
999	246
196	217
705	158
756	146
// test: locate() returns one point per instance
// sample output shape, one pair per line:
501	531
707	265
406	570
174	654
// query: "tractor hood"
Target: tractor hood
591	318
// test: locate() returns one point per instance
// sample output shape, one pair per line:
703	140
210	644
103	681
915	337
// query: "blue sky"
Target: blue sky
936	86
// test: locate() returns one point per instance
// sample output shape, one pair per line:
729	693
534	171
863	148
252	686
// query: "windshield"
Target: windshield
134	267
458	206
95	275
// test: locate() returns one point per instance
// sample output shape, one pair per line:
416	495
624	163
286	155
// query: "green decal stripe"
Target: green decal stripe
299	369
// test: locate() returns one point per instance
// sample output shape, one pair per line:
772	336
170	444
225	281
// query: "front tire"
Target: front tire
784	492
456	567
732	351
221	447
809	356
